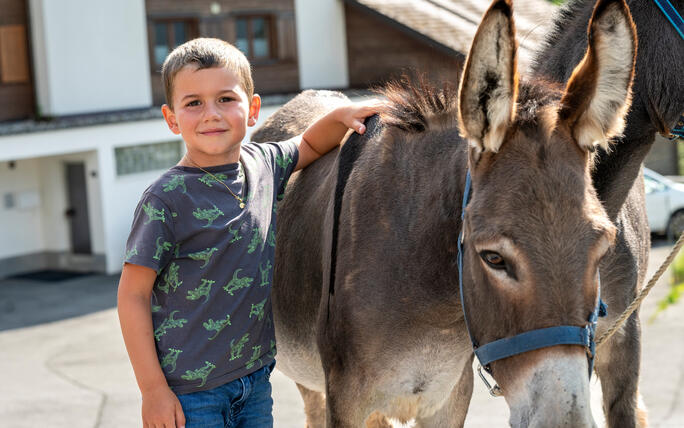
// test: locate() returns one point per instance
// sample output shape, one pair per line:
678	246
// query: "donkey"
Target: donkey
618	178
378	328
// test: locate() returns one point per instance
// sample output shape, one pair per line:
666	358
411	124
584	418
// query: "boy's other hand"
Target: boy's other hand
161	409
353	115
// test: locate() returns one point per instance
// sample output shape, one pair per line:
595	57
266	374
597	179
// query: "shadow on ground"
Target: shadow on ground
27	301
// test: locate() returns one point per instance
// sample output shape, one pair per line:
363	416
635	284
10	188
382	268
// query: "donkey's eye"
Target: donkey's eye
494	260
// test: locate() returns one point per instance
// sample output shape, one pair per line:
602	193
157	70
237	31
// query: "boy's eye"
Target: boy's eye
226	99
192	103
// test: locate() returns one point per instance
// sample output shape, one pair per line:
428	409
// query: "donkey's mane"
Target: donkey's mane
418	105
565	19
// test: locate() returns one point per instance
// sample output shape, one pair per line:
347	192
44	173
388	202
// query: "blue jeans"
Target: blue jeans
242	403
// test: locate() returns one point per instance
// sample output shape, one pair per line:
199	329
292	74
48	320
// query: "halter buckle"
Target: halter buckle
494	391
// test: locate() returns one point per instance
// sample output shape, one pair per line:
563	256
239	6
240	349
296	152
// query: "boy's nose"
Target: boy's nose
211	112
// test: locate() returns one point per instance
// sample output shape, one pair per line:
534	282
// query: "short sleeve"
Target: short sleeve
283	157
151	242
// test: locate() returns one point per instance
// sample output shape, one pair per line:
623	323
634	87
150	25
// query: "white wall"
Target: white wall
21	230
321	44
111	199
98	63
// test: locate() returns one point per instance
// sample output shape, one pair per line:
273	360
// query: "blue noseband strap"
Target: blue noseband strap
530	340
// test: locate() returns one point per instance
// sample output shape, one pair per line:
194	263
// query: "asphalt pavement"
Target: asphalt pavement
64	364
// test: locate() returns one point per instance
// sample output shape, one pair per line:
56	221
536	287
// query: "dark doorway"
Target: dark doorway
77	210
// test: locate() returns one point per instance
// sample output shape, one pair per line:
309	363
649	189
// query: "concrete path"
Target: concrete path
64	364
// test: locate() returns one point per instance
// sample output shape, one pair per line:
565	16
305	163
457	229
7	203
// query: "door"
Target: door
77	210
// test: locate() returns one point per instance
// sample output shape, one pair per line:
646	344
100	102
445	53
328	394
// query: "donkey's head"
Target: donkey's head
534	230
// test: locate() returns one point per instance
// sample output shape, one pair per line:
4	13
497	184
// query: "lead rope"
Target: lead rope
643	293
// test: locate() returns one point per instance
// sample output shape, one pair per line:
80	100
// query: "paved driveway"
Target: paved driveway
64	364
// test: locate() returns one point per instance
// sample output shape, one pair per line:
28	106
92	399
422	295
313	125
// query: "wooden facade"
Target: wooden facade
16	82
277	74
379	50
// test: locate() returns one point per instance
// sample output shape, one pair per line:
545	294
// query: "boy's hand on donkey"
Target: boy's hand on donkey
161	409
353	115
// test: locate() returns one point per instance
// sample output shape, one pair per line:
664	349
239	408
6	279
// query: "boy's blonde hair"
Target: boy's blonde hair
206	53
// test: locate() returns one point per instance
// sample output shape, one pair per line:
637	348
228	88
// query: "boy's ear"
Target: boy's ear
170	118
254	108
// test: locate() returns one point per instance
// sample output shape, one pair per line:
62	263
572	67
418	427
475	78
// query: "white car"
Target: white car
664	204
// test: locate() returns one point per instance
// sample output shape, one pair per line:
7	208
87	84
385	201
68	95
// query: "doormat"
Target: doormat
49	275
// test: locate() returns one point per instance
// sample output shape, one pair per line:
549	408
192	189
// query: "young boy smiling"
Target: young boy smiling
201	248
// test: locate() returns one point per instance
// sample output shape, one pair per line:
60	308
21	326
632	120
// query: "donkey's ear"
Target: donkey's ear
489	86
598	93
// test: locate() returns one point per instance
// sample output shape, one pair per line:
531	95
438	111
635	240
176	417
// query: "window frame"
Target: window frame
270	23
191	29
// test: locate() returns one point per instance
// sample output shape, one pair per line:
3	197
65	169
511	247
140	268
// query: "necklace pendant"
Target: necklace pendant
242	204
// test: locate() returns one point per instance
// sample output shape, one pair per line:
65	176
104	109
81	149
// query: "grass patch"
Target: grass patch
676	286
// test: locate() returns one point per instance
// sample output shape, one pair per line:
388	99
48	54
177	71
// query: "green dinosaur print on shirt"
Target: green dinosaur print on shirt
209	215
255	357
256	239
264	273
218	326
167	324
153	214
203	255
237	283
170	359
155	308
236	348
176	251
161	247
283	161
235	233
258	310
170	278
209	180
271	238
178	180
202	290
132	252
201	373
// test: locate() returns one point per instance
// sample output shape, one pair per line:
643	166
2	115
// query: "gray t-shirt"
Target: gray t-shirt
211	307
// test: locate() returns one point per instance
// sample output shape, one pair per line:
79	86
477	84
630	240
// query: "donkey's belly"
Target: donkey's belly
419	380
299	360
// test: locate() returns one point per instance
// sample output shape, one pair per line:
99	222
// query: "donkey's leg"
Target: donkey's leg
617	365
314	407
348	403
454	411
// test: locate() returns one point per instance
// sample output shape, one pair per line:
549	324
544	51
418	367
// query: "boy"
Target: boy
201	248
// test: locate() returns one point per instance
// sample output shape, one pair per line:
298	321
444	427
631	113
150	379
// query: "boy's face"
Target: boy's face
211	111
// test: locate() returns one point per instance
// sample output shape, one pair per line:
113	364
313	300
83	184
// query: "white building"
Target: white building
86	74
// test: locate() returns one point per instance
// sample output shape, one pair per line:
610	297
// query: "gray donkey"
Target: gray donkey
366	302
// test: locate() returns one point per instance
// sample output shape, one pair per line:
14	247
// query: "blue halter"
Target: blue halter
678	23
530	340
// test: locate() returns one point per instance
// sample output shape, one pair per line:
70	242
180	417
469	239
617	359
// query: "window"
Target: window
168	34
254	37
147	157
13	54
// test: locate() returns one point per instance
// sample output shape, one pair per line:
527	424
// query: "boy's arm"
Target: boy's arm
160	405
327	132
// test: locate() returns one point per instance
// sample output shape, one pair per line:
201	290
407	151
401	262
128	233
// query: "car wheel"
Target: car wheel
676	226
